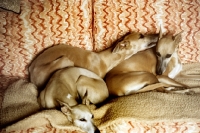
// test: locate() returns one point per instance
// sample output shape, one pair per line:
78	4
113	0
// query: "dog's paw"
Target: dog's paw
86	101
170	88
186	91
190	92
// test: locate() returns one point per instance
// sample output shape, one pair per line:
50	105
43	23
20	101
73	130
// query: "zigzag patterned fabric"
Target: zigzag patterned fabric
114	18
92	25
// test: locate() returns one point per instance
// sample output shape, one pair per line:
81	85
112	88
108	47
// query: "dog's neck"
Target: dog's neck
108	63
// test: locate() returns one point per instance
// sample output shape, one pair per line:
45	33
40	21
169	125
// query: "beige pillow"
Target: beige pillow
12	5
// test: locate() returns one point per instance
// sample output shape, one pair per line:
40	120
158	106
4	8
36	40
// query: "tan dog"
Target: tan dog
70	86
61	56
140	73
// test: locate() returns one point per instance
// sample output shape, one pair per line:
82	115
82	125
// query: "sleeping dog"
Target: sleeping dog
70	85
61	56
147	70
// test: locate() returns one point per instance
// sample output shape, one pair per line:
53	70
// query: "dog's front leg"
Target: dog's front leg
46	70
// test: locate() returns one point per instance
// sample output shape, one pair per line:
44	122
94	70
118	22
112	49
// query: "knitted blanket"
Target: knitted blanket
21	111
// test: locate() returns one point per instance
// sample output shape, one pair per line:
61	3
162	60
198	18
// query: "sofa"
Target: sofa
27	27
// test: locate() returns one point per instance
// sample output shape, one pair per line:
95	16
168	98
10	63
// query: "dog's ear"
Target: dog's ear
63	104
83	85
80	85
65	108
120	46
116	48
67	111
178	37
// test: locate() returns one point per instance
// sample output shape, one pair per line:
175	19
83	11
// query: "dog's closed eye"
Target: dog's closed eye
82	119
141	36
168	55
158	54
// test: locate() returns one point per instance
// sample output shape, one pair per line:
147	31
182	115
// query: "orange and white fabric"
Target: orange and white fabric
92	25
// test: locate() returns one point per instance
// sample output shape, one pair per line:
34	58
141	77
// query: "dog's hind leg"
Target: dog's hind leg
130	82
48	69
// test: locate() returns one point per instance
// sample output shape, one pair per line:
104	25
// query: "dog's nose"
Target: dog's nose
97	131
159	72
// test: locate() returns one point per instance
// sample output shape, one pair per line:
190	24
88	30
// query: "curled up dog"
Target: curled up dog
72	89
61	56
152	69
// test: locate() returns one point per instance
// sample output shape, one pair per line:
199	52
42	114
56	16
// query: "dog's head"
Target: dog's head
80	116
134	42
166	46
